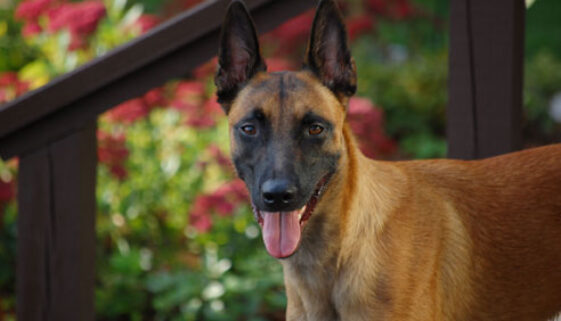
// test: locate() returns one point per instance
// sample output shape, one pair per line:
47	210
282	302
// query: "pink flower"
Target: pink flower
200	221
146	22
366	120
32	9
129	111
31	28
81	19
359	25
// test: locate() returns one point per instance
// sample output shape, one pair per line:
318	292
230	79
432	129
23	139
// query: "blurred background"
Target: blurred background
176	239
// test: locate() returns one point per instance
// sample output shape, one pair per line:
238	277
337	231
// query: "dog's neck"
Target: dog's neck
322	243
321	240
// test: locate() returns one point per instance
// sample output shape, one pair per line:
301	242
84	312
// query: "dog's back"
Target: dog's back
509	208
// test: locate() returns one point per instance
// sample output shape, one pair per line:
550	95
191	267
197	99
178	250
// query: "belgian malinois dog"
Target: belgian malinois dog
372	240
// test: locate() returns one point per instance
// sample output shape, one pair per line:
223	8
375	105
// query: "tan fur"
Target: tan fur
419	240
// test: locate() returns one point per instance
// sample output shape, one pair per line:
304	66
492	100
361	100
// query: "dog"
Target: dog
361	239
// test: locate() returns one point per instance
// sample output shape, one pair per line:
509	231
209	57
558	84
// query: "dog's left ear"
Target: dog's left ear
328	55
239	57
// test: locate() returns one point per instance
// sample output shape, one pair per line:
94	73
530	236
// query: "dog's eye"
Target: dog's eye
249	130
315	129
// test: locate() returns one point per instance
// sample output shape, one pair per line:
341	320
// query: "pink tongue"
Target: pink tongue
281	232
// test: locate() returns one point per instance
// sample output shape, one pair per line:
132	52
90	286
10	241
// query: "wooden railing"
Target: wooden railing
52	130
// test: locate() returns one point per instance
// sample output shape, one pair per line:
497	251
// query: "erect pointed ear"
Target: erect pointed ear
328	55
239	58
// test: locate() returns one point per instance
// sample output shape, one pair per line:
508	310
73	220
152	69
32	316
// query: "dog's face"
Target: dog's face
286	128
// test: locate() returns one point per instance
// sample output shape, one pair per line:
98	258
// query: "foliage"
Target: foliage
543	82
176	236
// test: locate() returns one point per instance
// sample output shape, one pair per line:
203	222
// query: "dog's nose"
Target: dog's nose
278	193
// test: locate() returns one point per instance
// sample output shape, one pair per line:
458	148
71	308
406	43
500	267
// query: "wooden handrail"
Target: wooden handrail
171	50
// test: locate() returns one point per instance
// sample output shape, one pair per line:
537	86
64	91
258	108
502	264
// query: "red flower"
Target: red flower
11	87
31	28
359	25
146	22
154	98
212	106
81	19
204	116
200	220
8	79
219	156
199	217
188	96
129	111
378	6
6	191
206	69
112	151
118	171
278	64
171	8
366	120
200	121
396	9
292	33
403	9
32	9
235	190
223	201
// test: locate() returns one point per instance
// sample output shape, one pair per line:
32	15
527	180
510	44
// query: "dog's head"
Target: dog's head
286	128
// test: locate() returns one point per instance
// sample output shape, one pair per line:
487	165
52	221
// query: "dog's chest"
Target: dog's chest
310	290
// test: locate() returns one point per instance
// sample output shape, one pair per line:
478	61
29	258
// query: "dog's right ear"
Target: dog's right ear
328	55
239	57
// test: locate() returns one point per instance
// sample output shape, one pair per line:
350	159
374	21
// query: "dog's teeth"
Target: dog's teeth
301	212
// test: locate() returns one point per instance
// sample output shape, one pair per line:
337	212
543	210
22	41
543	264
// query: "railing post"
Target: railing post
485	82
56	230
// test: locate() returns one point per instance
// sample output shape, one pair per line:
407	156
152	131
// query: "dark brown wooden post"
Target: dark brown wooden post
485	82
56	230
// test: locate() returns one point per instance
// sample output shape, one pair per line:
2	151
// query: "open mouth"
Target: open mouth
282	230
